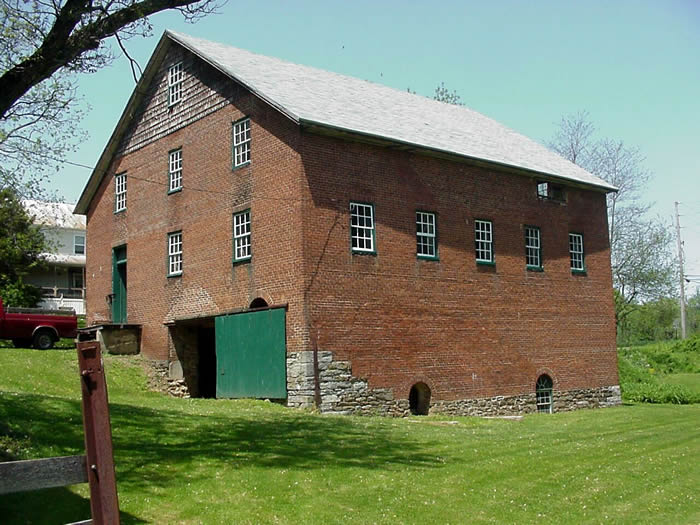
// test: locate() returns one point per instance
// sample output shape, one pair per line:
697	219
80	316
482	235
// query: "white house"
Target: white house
63	281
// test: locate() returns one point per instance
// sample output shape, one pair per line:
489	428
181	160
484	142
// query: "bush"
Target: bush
642	368
19	294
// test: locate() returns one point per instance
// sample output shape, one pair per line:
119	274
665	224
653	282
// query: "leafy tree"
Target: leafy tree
442	94
44	44
21	244
640	247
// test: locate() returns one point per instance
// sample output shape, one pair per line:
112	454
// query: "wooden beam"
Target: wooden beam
35	474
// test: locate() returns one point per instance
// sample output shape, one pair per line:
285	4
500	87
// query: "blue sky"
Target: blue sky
633	65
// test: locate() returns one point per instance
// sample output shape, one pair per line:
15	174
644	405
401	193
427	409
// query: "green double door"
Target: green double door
251	355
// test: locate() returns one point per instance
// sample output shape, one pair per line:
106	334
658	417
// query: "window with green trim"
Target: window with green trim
175	78
483	241
175	170
362	227
543	393
119	192
426	235
174	254
533	247
241	142
576	252
242	247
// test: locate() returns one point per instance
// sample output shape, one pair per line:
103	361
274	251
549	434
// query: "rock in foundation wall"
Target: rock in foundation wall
341	393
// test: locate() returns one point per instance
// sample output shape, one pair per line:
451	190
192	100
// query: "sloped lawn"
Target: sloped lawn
219	461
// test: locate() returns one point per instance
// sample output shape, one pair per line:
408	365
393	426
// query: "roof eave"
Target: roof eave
107	155
380	139
206	58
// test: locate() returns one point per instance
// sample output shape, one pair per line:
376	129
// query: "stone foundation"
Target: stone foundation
342	393
526	403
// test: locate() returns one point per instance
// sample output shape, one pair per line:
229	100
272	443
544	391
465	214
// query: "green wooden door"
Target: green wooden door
251	355
119	284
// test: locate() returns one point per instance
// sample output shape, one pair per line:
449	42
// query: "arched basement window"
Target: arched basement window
419	399
258	302
543	389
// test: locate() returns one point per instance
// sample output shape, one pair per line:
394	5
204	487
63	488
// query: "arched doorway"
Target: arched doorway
543	391
419	399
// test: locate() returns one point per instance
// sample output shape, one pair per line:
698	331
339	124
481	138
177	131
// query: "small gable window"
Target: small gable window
119	192
241	142
175	78
175	170
549	191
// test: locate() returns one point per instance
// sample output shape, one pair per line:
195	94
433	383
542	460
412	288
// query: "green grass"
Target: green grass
220	461
665	372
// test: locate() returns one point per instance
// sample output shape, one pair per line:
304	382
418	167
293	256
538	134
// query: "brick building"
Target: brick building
285	232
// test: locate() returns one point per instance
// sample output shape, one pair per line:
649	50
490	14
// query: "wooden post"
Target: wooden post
98	436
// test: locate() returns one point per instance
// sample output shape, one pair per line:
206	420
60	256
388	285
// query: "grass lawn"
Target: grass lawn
690	381
221	461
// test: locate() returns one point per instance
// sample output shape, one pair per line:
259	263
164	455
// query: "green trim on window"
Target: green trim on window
235	166
167	254
578	271
176	190
484	262
435	257
533	267
241	260
355	251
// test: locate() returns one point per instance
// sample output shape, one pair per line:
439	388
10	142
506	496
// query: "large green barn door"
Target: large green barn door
251	355
119	284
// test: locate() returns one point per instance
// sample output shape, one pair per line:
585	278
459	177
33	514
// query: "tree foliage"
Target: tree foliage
640	247
21	246
44	44
443	94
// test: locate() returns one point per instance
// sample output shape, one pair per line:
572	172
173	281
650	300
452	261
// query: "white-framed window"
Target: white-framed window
174	254
543	392
241	236
119	192
175	170
547	190
362	227
241	142
79	244
576	252
533	247
483	241
175	78
426	235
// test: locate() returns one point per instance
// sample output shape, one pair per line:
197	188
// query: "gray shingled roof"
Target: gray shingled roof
314	96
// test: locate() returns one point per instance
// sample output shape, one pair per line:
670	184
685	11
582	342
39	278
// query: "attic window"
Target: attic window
175	78
547	190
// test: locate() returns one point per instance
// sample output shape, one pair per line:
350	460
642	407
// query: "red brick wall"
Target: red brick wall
464	329
203	211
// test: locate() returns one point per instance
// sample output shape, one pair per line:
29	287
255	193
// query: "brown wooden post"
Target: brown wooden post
98	435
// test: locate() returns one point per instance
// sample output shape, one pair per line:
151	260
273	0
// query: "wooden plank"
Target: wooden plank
35	474
104	504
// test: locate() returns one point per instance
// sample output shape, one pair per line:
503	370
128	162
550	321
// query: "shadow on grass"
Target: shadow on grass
153	448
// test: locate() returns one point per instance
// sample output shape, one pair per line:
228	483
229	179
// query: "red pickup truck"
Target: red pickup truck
35	326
